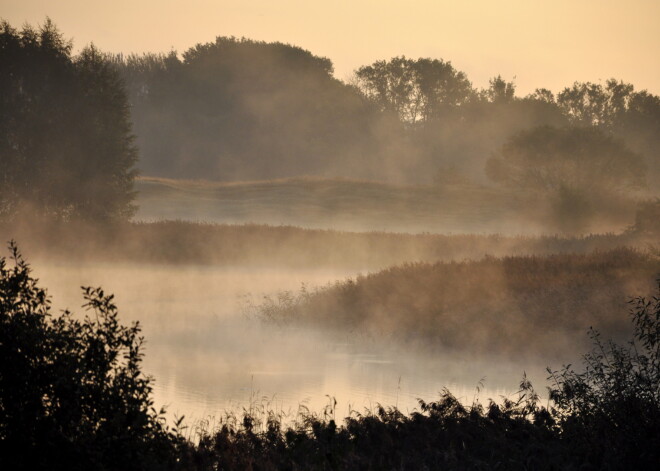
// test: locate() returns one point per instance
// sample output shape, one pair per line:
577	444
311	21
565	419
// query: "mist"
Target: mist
298	246
211	353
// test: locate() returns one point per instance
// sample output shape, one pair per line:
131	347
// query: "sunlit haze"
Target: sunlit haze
329	235
540	43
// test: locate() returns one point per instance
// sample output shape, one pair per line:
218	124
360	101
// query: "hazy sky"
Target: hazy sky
542	43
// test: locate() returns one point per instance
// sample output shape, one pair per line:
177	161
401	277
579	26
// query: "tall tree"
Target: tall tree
500	91
66	148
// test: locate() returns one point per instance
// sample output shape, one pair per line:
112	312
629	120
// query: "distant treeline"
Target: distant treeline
237	109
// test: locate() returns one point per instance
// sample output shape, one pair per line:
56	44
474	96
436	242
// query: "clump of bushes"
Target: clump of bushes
73	396
72	393
610	411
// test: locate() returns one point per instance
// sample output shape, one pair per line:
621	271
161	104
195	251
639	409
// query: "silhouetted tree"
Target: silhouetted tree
500	91
620	110
465	136
588	104
577	169
416	90
66	148
543	95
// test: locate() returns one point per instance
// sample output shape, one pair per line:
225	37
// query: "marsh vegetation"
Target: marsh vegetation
531	306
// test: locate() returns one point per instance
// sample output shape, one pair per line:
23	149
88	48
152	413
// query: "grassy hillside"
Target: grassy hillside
330	204
355	205
516	305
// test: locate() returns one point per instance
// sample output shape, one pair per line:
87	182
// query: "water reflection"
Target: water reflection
208	357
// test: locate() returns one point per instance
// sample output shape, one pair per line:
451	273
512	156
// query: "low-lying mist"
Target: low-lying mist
208	354
223	338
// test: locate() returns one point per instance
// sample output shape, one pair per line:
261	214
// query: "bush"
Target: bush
610	412
72	394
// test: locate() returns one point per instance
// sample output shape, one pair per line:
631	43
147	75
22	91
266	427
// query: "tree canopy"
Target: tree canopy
242	109
500	91
66	148
239	109
547	158
616	108
416	90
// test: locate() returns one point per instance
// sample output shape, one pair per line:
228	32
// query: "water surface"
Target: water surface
207	356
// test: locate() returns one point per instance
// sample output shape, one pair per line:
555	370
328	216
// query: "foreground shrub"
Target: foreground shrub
72	395
610	411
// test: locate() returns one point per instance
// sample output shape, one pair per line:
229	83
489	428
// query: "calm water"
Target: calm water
207	356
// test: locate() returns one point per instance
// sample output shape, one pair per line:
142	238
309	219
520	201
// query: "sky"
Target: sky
536	43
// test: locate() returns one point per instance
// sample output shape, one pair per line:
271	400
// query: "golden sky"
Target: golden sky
541	43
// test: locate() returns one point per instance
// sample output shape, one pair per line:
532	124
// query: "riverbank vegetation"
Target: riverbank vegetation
529	305
181	242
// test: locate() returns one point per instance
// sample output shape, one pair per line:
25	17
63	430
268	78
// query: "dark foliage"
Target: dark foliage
72	395
66	149
610	411
443	434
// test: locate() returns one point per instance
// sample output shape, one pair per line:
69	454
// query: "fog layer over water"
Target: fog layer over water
207	355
